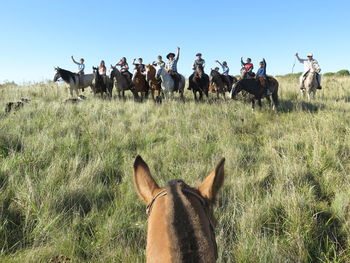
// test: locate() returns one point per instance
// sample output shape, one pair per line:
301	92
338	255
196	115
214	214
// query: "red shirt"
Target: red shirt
248	66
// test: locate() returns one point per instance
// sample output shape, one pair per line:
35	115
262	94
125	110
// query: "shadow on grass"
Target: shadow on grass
291	106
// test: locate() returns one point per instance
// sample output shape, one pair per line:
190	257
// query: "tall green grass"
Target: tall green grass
66	174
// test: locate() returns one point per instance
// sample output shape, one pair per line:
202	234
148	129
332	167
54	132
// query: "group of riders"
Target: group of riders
171	67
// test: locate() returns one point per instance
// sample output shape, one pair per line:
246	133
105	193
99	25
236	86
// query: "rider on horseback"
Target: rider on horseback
262	77
139	65
198	61
81	65
124	69
103	71
307	67
225	72
171	67
160	62
248	66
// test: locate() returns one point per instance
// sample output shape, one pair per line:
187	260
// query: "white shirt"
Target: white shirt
307	63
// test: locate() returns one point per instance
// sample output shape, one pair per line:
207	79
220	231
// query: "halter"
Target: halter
202	201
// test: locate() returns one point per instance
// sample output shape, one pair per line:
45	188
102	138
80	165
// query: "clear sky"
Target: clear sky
38	35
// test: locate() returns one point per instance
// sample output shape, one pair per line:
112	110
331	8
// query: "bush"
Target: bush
329	74
343	72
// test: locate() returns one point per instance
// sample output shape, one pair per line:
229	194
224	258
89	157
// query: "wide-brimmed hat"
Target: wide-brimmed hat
310	55
198	54
170	54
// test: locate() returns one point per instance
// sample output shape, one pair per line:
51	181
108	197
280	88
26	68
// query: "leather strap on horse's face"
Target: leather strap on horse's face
205	207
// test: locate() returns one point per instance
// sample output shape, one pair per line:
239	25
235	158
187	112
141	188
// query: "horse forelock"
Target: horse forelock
187	234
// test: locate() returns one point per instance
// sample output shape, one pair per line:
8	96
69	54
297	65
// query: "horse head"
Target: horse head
168	237
57	75
243	72
315	67
159	70
150	72
199	71
236	88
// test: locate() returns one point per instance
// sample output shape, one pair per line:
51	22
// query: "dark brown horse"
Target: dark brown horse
140	84
180	222
153	82
199	83
257	90
217	83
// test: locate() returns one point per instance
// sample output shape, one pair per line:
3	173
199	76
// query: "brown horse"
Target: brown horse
153	82
180	222
140	84
199	83
217	83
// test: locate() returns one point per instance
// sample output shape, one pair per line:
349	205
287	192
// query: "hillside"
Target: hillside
66	185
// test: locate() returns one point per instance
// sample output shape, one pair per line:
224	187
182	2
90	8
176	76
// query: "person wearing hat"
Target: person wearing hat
81	65
198	61
171	67
307	67
248	66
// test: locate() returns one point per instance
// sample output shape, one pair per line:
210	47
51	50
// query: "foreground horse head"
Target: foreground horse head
180	224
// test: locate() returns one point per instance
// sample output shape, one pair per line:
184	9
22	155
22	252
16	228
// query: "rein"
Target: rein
202	201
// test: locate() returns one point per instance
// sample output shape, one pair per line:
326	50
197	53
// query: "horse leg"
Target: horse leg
259	103
71	92
268	98
253	104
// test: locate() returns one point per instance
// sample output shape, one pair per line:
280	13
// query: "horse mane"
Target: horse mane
187	234
66	75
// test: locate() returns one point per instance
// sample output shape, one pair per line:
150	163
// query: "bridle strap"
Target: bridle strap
150	205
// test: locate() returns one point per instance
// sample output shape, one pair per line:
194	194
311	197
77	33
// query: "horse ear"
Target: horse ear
145	185
213	182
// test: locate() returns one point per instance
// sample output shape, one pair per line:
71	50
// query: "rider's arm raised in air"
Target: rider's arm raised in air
300	59
242	62
217	61
264	63
75	61
177	54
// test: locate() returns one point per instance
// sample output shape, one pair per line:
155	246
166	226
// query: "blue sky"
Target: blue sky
38	35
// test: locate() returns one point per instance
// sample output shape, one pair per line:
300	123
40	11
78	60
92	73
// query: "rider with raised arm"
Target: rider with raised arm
225	72
160	62
248	66
81	65
124	69
307	67
261	75
139	65
171	67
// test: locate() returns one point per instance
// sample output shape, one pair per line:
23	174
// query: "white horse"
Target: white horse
74	81
168	85
310	81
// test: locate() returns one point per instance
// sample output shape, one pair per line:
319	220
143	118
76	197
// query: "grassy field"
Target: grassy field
66	185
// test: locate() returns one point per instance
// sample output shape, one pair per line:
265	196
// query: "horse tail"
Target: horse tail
275	95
